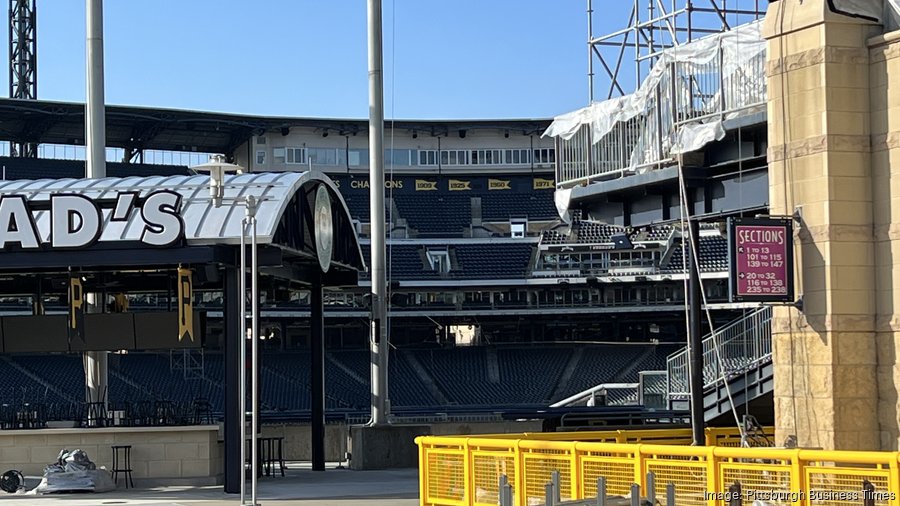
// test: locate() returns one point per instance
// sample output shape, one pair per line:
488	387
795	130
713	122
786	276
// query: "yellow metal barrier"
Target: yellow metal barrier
466	470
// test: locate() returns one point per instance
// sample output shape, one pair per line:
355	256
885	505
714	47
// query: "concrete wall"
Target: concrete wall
297	436
884	102
167	454
834	131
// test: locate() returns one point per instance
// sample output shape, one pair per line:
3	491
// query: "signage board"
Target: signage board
77	221
761	258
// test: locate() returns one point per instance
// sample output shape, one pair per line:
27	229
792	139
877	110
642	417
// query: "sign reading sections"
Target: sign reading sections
77	221
761	259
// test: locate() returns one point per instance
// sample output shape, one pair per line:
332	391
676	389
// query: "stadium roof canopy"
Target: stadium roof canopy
140	128
122	224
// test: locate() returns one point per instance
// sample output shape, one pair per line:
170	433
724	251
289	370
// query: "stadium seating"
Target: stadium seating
501	206
461	375
436	215
713	255
479	261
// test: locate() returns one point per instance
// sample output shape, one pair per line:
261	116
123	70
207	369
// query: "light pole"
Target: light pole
217	168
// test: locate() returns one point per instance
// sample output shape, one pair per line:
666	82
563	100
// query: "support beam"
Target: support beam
317	374
695	337
379	329
95	108
233	368
23	61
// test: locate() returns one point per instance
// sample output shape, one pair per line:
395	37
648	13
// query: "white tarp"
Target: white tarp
739	47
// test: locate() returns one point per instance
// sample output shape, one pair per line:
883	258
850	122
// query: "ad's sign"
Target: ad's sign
761	255
77	221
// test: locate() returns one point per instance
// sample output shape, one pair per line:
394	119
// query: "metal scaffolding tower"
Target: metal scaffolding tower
653	26
23	61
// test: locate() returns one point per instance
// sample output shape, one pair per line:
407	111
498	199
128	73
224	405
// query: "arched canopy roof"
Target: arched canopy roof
136	221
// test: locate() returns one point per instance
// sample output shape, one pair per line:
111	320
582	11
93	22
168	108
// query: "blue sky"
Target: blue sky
457	59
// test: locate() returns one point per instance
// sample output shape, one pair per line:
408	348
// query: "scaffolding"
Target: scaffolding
652	27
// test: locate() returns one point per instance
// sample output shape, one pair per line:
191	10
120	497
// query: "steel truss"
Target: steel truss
23	61
653	26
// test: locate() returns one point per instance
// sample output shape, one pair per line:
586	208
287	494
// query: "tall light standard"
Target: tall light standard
217	168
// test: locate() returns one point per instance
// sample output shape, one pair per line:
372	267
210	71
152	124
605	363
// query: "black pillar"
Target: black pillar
695	298
233	367
317	373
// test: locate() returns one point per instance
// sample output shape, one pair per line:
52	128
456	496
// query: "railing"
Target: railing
690	91
743	344
464	471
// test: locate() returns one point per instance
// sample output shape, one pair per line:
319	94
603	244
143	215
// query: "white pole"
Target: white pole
379	330
242	335
95	113
254	335
95	362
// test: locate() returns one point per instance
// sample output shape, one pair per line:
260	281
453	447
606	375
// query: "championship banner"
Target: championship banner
423	185
498	184
185	305
76	308
457	185
543	184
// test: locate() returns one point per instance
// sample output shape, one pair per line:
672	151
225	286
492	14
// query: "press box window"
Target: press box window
518	228
260	158
439	261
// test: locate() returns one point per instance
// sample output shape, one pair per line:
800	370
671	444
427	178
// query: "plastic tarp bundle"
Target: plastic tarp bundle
739	47
73	471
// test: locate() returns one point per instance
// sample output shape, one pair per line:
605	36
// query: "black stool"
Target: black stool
273	454
122	464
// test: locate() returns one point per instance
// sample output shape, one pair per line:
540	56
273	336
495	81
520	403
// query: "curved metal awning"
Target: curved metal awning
284	214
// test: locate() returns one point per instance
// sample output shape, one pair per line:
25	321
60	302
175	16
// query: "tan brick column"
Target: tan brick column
819	162
884	101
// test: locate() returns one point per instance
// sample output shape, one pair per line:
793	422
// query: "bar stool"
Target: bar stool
273	454
122	464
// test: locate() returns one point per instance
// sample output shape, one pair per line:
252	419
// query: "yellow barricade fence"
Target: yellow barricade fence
465	471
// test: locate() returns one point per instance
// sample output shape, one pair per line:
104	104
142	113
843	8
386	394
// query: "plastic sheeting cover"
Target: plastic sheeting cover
739	47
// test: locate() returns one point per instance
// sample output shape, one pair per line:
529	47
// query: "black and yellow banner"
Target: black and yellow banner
76	308
185	305
543	184
423	185
498	184
120	303
458	185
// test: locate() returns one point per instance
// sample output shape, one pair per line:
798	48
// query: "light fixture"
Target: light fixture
506	134
462	134
325	133
415	135
285	131
217	168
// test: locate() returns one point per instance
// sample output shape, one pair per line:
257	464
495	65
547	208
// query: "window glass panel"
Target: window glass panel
260	157
279	155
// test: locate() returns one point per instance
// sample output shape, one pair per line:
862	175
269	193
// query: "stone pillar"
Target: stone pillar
820	164
884	102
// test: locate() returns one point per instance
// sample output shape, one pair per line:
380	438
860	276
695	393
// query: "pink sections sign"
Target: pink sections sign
762	261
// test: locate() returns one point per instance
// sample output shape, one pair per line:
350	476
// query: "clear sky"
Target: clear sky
443	59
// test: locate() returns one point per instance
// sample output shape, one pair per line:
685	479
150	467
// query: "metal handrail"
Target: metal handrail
743	344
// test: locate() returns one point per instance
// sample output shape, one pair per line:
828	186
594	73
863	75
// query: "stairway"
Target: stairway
741	365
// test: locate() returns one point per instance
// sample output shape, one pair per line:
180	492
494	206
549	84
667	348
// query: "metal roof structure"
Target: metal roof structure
142	128
284	220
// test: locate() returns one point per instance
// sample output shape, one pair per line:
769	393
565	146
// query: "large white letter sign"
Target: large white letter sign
16	223
162	223
75	221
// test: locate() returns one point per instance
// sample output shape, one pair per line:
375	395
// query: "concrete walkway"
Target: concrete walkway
334	487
